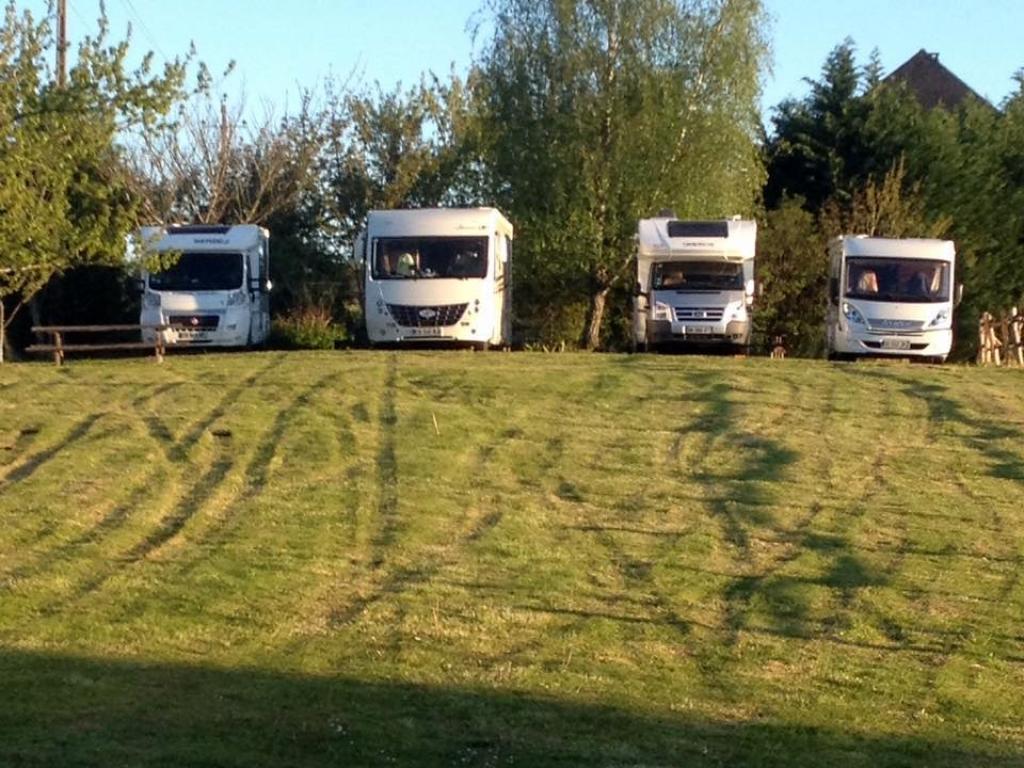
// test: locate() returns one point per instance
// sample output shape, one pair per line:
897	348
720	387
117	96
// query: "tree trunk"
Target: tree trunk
595	315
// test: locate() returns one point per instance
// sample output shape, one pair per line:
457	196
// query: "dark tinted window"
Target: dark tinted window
890	279
398	258
698	229
201	272
199	229
696	276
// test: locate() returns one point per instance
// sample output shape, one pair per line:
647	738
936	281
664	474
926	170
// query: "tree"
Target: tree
65	196
793	269
891	207
216	165
394	149
817	149
596	113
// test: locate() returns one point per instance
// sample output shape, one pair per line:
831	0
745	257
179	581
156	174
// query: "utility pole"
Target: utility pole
62	42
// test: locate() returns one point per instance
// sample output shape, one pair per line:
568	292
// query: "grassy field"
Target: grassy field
491	559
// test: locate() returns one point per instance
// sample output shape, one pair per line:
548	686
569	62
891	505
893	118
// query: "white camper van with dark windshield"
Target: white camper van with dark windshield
441	275
216	293
891	297
695	282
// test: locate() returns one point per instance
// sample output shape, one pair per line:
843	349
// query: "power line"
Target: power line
74	9
130	7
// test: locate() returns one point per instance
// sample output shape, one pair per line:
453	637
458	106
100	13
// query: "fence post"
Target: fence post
997	354
58	348
1004	338
984	352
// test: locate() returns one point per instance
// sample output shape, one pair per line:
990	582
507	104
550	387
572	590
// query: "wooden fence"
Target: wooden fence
60	347
1000	339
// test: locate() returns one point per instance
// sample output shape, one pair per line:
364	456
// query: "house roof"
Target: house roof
932	83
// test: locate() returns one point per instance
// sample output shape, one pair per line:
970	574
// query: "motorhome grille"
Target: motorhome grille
198	322
416	316
895	325
698	313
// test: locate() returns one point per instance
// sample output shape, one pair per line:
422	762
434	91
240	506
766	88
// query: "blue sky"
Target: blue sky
280	46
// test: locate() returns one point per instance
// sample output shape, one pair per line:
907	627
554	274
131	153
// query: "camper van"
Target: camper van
891	297
216	293
695	282
440	275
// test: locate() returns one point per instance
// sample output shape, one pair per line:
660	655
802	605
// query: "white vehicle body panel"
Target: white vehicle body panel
694	316
425	307
857	325
234	317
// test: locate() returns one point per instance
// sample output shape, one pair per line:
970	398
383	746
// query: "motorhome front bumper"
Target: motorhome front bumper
935	343
457	323
203	328
698	332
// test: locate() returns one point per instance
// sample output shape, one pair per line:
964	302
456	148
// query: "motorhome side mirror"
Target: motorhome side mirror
638	290
959	294
833	289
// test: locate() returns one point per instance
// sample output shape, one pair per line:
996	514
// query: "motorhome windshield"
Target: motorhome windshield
402	258
201	272
903	280
697	276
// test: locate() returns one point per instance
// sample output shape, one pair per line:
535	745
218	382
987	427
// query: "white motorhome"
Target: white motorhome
217	291
437	275
891	297
695	282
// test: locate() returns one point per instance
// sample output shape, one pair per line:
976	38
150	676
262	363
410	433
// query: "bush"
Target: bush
307	328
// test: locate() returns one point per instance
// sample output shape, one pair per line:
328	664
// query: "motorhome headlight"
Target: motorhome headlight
662	311
236	298
151	300
852	313
940	320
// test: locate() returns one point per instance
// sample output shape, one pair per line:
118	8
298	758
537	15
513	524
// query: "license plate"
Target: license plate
895	344
698	329
432	331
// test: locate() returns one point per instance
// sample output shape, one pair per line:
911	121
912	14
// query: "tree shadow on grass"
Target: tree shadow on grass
1008	465
34	462
979	432
59	710
763	597
737	498
11	450
381	579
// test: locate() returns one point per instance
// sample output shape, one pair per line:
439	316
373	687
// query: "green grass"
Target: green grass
592	560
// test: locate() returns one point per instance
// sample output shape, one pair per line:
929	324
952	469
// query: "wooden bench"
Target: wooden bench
59	346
